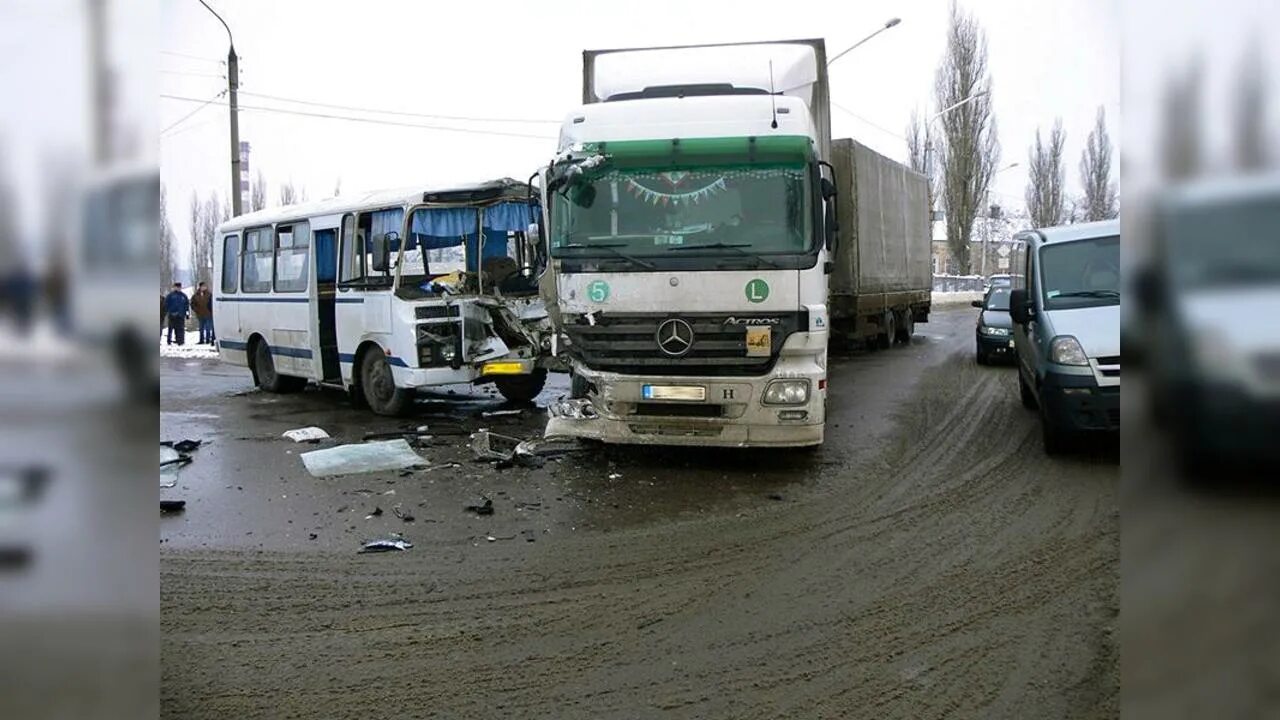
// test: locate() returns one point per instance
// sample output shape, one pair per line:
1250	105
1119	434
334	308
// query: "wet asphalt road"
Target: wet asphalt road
927	561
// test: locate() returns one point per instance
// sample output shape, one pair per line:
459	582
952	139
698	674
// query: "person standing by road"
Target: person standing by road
176	307
202	306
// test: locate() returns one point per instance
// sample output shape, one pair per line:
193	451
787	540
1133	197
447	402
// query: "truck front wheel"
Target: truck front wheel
522	388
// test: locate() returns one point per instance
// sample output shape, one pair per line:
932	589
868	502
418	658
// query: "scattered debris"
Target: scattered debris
480	506
615	476
487	445
170	461
377	512
310	434
775	496
361	458
312	536
172	506
406	517
394	541
500	413
182	446
528	536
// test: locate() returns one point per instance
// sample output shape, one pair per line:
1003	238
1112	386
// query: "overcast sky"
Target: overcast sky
523	61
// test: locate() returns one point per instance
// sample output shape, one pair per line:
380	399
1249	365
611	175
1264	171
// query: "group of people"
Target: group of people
176	308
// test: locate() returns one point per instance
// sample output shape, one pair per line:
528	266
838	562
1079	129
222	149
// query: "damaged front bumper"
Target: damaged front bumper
729	411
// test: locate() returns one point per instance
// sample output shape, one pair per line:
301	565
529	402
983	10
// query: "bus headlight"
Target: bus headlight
786	392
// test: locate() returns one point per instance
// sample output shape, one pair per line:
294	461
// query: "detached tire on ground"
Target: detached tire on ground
522	388
264	372
378	385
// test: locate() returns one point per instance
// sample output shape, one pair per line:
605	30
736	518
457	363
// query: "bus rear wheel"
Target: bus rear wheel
264	372
378	385
522	388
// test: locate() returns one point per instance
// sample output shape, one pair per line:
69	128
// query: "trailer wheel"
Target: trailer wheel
890	327
522	388
379	385
906	326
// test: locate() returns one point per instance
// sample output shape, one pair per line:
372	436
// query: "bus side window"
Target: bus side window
258	256
351	267
292	247
230	264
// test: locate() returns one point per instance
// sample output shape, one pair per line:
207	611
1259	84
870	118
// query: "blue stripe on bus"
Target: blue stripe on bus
349	300
350	358
285	351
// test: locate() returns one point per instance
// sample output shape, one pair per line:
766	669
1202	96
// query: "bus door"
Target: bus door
291	314
363	303
325	242
226	309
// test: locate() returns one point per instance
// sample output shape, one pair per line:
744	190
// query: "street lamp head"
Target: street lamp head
892	22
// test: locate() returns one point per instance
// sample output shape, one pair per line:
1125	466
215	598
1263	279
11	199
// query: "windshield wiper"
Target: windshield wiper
726	246
611	247
1088	293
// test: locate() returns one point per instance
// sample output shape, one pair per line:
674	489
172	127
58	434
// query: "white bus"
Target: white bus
385	293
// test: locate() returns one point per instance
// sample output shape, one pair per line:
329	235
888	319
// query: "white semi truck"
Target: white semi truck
691	225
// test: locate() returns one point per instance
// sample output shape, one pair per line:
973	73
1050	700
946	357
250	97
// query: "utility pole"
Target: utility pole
233	82
101	84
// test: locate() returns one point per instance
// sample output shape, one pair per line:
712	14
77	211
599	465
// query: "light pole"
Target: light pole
891	23
233	82
928	147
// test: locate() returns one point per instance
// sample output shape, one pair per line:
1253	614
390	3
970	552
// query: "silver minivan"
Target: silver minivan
1066	329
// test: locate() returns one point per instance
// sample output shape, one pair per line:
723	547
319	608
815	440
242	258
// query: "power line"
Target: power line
376	111
188	73
872	124
192	57
203	105
372	120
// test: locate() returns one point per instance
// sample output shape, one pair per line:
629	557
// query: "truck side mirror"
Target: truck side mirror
831	226
1020	308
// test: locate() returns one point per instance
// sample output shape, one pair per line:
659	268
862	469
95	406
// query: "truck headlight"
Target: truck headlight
786	392
1066	350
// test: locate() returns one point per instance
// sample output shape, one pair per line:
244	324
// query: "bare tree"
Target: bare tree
1250	135
168	256
1100	197
258	193
1182	121
919	142
1047	178
212	214
970	147
288	194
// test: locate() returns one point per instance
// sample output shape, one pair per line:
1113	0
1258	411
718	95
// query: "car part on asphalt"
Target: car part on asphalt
361	458
307	434
480	506
394	541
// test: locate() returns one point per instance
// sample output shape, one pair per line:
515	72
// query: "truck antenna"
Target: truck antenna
773	103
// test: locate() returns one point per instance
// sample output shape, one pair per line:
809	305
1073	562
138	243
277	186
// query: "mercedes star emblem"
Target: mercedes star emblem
675	337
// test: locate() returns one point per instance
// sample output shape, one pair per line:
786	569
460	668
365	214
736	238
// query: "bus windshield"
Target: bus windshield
762	209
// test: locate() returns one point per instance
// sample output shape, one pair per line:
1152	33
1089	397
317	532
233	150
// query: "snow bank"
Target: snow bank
190	351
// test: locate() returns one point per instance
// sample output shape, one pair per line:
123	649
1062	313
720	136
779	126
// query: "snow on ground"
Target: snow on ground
961	297
190	351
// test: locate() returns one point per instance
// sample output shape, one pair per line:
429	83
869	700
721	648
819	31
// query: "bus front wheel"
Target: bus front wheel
379	385
522	388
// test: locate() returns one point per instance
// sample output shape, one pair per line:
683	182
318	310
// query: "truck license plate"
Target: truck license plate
759	341
696	393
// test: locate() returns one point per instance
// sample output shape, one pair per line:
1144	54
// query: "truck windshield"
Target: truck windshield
1081	273
1225	245
759	210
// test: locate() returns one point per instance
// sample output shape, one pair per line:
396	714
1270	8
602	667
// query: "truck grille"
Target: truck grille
628	343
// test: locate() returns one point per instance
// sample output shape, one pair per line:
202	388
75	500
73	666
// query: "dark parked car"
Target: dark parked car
995	327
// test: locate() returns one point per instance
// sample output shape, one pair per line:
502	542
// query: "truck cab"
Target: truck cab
688	229
1066	328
